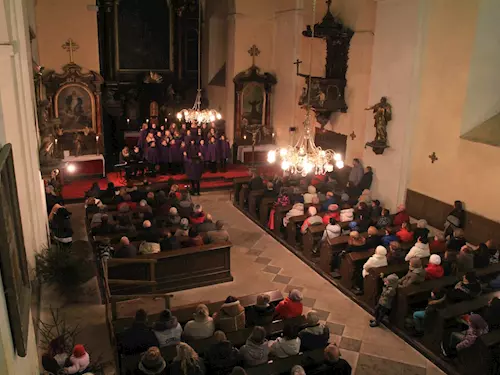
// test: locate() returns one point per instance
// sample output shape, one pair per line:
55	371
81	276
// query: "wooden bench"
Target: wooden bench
310	358
253	197
237	184
265	207
291	228
243	195
352	263
313	235
279	214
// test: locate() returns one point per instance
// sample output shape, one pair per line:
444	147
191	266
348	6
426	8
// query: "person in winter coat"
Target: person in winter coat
186	362
376	210
419	250
256	349
152	363
167	330
390	236
395	254
355	242
434	270
202	326
465	259
373	240
401	216
332	363
365	197
173	217
438	244
197	216
356	173
384	220
421	230
330	199
384	304
347	213
481	256
415	275
455	219
231	316
288	344
79	360
313	219
378	259
457	240
126	249
449	262
221	357
463	340
437	301
297	210
260	314
60	225
169	242
291	306
332	212
315	335
311	193
467	289
332	230
54	359
366	180
139	337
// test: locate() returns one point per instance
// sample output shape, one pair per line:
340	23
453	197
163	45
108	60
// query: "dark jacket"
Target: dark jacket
449	267
396	257
259	315
341	367
175	368
171	243
221	357
455	243
137	339
420	232
127	251
492	315
373	241
256	183
314	337
464	292
481	258
366	181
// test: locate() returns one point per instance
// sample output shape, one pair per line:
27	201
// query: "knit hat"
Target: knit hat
173	211
435	259
79	350
295	295
184	223
312	211
344	197
333	207
312	318
311	189
165	315
392	279
380	250
152	361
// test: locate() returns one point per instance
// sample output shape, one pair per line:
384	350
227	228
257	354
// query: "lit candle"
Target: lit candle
128	121
97	138
165	120
273	135
244	137
147	120
56	141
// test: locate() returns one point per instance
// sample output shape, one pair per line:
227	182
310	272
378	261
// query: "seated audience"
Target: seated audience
401	216
183	230
197	216
395	255
434	270
127	201
361	210
449	263
297	210
390	236
332	364
195	238
169	242
437	301
332	230
374	239
494	254
315	335
256	349
405	234
173	217
465	259
347	213
202	325
220	234
355	242
297	370
481	256
288	344
260	314
384	220
311	193
207	226
365	197
333	212
376	211
270	191
492	314
139	337
186	362
313	219
421	230
231	316
415	275
126	249
185	206
378	259
152	363
151	243
80	361
282	201
167	330
96	218
364	222
467	289
438	244
457	240
221	357
104	228
144	210
420	249
94	191
256	183
384	304
463	340
330	199
291	306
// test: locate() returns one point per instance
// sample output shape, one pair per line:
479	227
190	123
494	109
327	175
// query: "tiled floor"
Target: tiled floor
259	263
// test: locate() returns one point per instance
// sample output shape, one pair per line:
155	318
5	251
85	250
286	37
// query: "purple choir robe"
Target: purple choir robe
224	149
152	155
164	154
192	150
175	154
194	168
142	138
212	152
204	151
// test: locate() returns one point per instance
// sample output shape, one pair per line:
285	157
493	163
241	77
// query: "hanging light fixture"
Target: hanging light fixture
305	157
196	114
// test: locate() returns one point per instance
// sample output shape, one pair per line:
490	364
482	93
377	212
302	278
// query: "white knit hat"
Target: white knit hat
312	211
435	259
380	250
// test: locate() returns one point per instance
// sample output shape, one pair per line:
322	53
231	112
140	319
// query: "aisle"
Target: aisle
259	263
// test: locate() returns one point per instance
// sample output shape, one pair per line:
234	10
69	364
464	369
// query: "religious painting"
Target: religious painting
326	94
75	108
15	279
253	104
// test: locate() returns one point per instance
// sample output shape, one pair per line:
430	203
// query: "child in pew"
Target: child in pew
415	275
421	231
332	230
167	330
79	361
231	316
222	356
389	237
333	363
313	219
434	270
437	301
438	244
395	255
186	362
420	249
461	340
384	304
404	234
376	210
152	363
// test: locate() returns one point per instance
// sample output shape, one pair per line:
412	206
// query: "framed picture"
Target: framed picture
75	107
13	262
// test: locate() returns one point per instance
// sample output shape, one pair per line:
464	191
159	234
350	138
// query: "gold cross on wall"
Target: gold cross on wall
70	46
253	51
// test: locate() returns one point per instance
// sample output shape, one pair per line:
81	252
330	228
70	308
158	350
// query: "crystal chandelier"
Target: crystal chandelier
196	114
305	157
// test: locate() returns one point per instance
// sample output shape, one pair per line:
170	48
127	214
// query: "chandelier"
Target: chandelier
196	114
305	157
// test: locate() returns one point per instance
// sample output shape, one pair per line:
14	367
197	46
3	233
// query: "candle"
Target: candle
56	141
97	138
165	120
128	121
147	120
244	137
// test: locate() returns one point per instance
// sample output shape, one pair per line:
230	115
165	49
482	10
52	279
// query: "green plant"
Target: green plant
64	267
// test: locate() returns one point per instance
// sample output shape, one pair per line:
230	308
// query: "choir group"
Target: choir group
172	150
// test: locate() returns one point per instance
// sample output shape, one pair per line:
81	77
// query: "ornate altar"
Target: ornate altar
252	105
327	93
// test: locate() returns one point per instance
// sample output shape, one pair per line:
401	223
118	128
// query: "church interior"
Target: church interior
215	187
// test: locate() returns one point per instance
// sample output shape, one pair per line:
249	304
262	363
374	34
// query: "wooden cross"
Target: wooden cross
352	135
297	62
70	46
253	51
433	157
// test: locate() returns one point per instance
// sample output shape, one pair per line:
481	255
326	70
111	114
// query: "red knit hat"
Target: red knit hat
79	351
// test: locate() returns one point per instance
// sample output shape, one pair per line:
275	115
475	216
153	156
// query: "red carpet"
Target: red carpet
76	189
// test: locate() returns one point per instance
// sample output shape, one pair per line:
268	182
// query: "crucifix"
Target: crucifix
433	157
70	46
253	51
297	62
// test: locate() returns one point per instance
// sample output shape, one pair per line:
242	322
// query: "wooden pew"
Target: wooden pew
279	215
243	195
482	356
237	184
312	236
310	358
291	228
352	263
265	207
253	197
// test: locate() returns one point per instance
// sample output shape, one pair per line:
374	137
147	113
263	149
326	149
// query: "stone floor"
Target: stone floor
259	263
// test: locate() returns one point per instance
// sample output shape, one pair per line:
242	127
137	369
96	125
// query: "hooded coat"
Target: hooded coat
388	291
254	354
314	337
477	327
231	317
419	250
137	339
356	174
282	347
311	193
168	333
347	215
199	329
289	309
434	270
331	232
78	364
414	276
297	210
259	315
378	259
